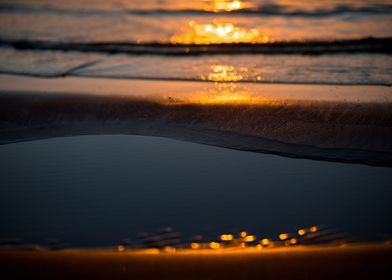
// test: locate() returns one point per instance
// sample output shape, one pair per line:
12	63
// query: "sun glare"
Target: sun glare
224	6
218	33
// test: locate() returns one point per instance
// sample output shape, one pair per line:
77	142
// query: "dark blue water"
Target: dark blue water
98	190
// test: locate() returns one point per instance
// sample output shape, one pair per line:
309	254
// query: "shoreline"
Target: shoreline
354	125
183	89
222	139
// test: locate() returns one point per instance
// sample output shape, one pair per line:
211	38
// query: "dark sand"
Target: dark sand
337	131
350	262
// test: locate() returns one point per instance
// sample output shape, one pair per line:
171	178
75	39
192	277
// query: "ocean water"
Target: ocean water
99	190
273	41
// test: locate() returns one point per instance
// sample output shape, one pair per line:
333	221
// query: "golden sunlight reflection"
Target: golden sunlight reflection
223	98
169	249
301	231
225	5
225	73
284	236
195	245
265	242
120	248
218	33
293	241
226	237
225	89
214	245
228	242
220	93
249	238
313	229
230	73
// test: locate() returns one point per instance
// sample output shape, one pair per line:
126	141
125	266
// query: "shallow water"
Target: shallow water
98	190
128	27
341	69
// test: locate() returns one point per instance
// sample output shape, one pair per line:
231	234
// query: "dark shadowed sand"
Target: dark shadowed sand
350	262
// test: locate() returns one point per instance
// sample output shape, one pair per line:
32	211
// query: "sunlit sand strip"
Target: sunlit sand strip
194	91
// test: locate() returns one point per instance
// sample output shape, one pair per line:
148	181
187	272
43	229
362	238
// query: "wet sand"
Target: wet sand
347	124
349	262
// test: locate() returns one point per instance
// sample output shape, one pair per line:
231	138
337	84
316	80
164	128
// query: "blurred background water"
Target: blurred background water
26	26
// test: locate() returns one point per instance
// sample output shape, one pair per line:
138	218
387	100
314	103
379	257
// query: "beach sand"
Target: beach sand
349	262
338	123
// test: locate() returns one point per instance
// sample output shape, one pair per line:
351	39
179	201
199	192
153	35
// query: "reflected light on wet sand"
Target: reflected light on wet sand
218	33
221	93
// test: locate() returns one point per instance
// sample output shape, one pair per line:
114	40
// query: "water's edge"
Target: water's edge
200	135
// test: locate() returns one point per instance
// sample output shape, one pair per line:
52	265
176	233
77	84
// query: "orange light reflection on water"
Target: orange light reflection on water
250	238
226	237
225	89
284	236
225	5
218	33
225	73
